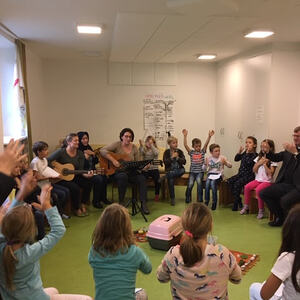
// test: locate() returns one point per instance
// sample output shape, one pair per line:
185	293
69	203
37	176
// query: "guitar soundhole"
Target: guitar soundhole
65	172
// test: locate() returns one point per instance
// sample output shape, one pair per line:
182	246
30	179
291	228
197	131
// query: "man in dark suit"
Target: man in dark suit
285	193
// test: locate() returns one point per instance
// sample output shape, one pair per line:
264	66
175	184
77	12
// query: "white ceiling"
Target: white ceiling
149	30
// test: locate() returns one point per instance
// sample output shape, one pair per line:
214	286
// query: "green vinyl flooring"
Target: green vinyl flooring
66	265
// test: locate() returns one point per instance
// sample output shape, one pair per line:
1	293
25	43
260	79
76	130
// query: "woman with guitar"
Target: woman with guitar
126	150
99	181
69	153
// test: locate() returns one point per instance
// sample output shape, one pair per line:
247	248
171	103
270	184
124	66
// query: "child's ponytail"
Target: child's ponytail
190	251
9	264
197	223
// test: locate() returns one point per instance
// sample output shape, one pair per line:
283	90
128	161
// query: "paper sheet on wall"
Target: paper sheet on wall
159	116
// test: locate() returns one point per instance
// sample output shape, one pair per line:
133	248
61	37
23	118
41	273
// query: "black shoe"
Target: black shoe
235	206
187	200
145	209
206	203
98	205
173	202
214	206
106	201
276	223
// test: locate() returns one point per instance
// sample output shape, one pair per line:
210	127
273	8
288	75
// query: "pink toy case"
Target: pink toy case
164	232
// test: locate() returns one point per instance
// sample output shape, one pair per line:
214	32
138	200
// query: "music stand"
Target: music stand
135	208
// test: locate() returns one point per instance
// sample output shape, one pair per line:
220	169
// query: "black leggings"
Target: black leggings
74	186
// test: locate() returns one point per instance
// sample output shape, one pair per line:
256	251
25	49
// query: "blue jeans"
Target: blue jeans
198	177
213	184
171	175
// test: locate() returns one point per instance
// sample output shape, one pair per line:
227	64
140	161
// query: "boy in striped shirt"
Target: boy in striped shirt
197	160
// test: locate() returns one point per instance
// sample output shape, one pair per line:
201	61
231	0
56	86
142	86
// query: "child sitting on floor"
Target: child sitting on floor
284	281
245	173
264	170
197	161
20	271
196	269
174	161
115	258
215	168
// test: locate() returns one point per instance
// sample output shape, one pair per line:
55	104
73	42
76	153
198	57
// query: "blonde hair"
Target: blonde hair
18	227
197	222
150	137
171	139
113	231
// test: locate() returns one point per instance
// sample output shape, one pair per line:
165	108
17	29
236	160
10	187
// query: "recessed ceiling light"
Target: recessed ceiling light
258	34
206	56
89	29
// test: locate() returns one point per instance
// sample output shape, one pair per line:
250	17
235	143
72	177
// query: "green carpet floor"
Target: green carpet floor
66	266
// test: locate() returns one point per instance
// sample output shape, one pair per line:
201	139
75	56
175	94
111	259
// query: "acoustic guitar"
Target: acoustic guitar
126	165
67	171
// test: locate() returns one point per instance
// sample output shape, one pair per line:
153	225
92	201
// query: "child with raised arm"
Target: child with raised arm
196	269
114	257
174	161
20	272
245	173
197	161
284	280
215	168
264	170
149	150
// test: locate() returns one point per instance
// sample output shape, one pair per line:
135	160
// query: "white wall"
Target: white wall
242	102
79	98
258	95
284	107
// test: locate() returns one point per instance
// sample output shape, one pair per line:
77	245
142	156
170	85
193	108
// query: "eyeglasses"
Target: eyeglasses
296	136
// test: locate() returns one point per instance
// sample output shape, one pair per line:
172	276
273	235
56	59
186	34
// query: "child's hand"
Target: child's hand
184	132
11	157
290	148
45	197
175	154
211	133
241	149
28	184
223	161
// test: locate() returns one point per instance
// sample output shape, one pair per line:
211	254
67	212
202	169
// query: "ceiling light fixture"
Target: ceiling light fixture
89	29
206	56
258	34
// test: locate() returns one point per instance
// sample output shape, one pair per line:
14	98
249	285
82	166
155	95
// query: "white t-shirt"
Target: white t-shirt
261	174
41	166
283	270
